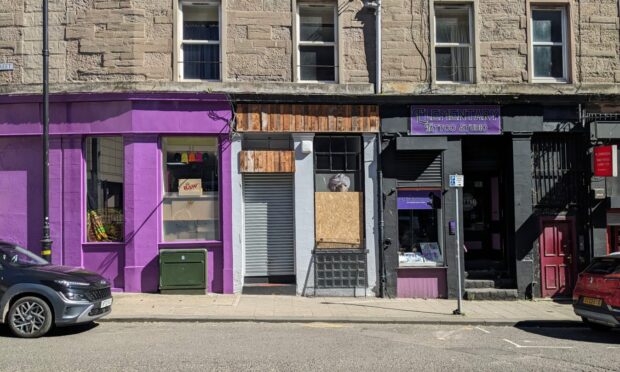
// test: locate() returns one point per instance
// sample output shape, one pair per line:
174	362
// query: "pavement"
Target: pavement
140	307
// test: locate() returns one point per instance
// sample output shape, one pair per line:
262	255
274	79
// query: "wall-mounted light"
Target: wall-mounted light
306	147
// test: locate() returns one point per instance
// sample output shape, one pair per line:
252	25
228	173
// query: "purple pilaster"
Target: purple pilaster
226	215
72	191
56	198
141	223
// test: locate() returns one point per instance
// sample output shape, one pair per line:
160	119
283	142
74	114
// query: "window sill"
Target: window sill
102	244
549	81
191	244
454	83
412	266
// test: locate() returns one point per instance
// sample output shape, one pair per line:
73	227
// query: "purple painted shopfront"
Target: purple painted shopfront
140	126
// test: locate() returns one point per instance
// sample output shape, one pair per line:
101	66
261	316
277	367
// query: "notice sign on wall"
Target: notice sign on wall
605	161
190	186
456	120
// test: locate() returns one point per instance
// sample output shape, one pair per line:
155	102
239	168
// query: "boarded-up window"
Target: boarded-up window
339	219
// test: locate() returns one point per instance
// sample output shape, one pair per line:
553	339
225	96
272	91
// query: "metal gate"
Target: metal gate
559	170
269	225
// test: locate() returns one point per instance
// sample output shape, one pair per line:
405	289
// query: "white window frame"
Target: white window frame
563	44
469	45
300	43
181	42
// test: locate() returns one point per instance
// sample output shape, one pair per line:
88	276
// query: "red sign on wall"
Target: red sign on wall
606	161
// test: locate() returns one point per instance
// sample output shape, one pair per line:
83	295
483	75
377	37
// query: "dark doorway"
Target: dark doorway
483	204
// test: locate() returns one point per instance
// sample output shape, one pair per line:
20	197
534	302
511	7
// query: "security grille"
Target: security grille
421	168
559	173
340	268
269	225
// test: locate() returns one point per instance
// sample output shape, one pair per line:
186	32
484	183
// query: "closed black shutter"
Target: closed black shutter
419	168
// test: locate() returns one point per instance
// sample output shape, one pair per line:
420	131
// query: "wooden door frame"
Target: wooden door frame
573	253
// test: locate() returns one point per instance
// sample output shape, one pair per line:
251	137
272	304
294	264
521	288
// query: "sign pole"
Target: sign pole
458	255
457	181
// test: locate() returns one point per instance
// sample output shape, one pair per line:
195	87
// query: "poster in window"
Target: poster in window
190	186
431	252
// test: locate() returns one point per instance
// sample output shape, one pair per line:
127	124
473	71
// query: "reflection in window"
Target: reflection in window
200	45
104	194
191	186
453	45
338	163
549	44
317	43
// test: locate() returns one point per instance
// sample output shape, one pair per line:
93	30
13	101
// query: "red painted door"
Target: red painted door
556	258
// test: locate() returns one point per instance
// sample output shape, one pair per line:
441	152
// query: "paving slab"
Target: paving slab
129	307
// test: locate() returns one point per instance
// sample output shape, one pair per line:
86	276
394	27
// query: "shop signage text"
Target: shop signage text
416	199
190	186
606	161
456	120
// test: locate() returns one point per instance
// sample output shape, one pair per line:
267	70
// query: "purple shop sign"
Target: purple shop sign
416	199
456	120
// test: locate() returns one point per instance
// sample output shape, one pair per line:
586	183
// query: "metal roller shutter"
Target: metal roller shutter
419	168
269	225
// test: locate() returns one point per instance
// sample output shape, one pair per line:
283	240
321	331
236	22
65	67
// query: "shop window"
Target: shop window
419	223
453	43
338	163
549	44
104	191
191	189
316	43
339	209
199	51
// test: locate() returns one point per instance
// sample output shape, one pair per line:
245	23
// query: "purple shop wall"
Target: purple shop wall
421	283
131	265
21	191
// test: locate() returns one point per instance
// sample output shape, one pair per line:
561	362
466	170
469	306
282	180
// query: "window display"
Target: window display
104	189
191	189
418	228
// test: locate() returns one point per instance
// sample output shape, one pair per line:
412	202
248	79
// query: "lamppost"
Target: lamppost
46	242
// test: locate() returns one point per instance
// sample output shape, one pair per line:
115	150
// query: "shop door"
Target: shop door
482	217
269	225
557	247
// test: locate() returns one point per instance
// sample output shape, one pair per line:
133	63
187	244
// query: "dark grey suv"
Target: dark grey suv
34	295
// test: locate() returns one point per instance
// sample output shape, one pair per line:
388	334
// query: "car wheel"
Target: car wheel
595	326
29	317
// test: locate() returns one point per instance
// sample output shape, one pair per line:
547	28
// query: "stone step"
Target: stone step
491	294
270	289
479	283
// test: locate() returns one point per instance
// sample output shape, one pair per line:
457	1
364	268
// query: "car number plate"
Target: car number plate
592	301
106	303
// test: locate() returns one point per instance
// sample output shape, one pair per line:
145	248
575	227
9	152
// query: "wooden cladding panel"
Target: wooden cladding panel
267	161
307	118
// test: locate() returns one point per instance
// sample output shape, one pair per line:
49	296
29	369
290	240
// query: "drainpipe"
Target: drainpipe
379	50
381	245
46	241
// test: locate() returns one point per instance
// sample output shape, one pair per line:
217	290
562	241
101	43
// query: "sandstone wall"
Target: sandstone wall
132	40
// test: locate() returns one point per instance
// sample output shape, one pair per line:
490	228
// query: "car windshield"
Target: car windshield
19	257
604	266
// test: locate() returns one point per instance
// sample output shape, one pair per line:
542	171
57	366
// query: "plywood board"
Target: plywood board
338	219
